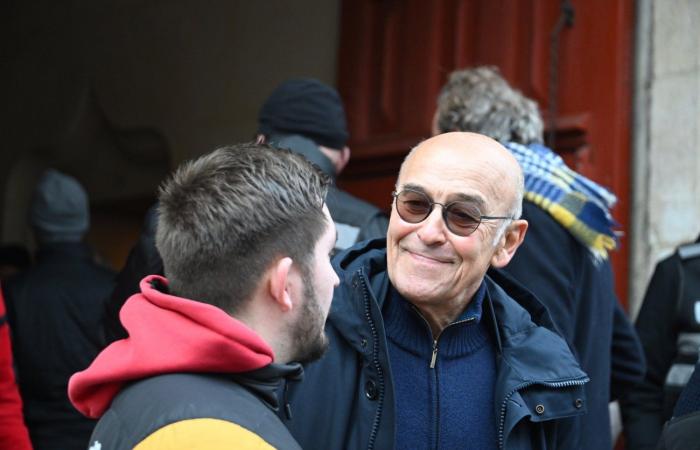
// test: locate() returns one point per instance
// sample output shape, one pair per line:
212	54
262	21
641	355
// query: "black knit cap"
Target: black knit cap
307	107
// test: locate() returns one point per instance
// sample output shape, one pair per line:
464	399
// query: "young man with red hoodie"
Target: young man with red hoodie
245	235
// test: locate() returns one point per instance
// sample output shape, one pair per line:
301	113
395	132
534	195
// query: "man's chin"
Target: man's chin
313	351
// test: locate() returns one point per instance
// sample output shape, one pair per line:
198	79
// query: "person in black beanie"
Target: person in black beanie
307	116
54	309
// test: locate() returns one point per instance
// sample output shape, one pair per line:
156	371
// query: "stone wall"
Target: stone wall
666	135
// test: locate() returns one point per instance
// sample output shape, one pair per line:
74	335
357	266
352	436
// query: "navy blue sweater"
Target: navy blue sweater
444	388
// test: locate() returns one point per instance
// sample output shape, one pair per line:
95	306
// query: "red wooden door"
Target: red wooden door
396	54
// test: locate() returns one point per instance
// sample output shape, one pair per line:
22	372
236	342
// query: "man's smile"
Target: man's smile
426	258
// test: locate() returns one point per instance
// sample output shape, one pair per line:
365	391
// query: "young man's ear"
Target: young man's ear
279	283
509	243
339	157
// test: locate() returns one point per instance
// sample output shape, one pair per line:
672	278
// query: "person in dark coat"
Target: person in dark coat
564	259
55	311
427	350
307	117
668	324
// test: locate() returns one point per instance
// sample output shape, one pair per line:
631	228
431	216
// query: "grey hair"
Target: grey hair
481	101
226	216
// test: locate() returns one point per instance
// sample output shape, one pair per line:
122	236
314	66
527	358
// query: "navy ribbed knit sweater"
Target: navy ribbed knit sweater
444	397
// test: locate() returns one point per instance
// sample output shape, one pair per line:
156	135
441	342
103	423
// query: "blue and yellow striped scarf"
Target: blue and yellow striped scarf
577	203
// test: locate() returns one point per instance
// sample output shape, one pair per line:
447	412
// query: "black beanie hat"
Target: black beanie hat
307	107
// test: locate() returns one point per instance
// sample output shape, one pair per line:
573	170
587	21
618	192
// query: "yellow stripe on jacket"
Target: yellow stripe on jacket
203	434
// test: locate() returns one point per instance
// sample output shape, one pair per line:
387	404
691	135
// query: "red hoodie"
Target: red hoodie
167	334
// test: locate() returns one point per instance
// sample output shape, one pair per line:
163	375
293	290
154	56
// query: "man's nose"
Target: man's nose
433	229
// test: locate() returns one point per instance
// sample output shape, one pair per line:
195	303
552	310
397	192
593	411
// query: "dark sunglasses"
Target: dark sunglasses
461	218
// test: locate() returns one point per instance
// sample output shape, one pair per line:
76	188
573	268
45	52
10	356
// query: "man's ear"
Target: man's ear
279	278
509	243
341	162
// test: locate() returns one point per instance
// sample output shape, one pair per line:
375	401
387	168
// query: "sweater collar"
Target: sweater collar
407	327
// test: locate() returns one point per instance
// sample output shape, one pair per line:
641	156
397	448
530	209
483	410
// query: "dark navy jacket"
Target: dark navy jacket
580	297
347	398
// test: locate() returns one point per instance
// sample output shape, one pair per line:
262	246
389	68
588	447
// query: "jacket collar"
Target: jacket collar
524	331
266	381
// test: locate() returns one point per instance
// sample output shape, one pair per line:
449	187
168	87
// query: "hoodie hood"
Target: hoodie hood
167	334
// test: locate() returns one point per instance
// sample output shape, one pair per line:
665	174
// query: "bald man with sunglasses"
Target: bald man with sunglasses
427	350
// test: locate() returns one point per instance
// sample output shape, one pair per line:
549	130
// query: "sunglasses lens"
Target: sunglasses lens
413	207
462	218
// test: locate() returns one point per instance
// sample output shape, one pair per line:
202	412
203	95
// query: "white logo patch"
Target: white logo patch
697	311
96	446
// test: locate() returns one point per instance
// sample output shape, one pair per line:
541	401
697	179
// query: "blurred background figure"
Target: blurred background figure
54	310
307	116
669	328
564	258
13	432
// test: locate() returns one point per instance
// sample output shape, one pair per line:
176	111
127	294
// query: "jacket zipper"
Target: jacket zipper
433	356
375	362
504	404
433	360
